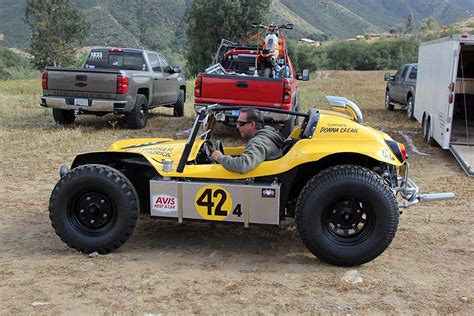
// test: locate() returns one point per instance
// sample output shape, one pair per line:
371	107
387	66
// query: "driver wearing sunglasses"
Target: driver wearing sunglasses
264	143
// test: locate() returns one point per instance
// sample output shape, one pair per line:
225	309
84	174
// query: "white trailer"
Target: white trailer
445	96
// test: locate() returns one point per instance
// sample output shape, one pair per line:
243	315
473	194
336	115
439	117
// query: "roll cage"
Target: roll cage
213	113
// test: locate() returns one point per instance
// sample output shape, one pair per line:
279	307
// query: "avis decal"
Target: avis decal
165	203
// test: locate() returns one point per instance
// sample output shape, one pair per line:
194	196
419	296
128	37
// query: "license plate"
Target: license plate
81	102
235	112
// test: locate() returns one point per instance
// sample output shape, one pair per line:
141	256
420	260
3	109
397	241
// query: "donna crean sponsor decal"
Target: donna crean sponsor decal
338	128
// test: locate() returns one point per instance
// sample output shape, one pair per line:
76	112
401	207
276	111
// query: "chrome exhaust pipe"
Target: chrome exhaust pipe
436	196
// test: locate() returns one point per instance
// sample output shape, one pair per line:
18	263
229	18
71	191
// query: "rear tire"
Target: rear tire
64	117
411	108
346	215
94	208
178	109
388	105
138	117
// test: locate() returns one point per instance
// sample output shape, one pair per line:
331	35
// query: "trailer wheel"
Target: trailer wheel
138	117
388	105
427	131
94	208
178	109
346	215
64	117
411	108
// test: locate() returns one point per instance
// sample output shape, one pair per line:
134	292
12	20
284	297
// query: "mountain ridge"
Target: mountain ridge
160	24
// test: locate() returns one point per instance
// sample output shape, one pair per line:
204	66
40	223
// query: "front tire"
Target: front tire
64	117
346	215
138	117
94	208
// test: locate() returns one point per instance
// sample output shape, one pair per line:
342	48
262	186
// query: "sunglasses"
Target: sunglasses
242	123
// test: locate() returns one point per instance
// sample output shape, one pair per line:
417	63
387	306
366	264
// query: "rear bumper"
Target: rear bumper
94	105
232	116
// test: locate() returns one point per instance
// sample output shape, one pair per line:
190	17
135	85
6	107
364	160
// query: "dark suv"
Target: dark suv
401	89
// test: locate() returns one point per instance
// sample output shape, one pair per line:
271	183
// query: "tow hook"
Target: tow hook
63	170
409	191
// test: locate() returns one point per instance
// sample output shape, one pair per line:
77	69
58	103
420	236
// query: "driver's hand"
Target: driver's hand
216	155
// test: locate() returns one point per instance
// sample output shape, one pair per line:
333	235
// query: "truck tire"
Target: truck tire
411	108
388	102
138	117
178	109
94	208
346	215
288	127
64	117
426	126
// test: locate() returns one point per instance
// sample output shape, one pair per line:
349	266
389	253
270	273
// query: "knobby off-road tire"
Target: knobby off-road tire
388	105
94	208
138	117
178	108
411	108
346	215
64	117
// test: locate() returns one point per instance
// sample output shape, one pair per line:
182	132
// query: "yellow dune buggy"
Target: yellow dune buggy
338	178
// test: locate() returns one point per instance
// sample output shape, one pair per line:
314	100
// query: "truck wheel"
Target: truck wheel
179	105
426	132
288	127
64	117
137	118
94	208
388	105
346	215
410	108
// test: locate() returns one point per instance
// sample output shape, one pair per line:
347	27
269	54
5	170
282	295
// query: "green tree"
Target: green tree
57	29
409	25
209	21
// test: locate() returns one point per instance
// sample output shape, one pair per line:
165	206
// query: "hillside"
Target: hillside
161	24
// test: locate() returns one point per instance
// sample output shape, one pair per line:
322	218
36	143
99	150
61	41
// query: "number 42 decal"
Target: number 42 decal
213	202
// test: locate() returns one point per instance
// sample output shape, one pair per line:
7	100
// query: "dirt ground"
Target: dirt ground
208	268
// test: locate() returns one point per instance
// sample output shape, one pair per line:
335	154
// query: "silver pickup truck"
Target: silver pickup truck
401	89
114	80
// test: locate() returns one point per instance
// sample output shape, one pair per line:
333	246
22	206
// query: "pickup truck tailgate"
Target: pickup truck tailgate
235	89
87	80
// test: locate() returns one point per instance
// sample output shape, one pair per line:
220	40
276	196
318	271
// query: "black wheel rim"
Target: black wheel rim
348	221
92	213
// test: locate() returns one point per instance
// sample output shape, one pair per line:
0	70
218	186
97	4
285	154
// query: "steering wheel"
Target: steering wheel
218	146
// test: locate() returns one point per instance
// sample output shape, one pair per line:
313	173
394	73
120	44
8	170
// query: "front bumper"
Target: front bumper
409	191
94	105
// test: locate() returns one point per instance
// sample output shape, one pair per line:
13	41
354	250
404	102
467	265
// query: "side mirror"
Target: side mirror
176	70
304	75
388	77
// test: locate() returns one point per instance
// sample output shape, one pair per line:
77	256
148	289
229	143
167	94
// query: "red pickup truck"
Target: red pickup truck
243	76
